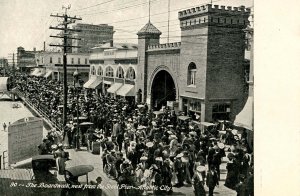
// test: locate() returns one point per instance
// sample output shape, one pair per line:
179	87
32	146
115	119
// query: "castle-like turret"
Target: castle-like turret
148	35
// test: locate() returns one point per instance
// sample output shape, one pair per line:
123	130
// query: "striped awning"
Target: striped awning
89	82
126	90
114	87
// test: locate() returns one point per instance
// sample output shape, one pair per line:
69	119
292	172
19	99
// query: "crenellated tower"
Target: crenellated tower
212	46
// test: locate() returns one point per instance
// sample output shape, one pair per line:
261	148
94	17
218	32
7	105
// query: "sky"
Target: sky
26	23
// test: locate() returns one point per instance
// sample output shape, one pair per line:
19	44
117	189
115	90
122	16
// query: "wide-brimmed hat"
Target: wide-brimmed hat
143	158
54	147
179	155
221	145
200	169
159	159
171	137
149	144
193	133
185	159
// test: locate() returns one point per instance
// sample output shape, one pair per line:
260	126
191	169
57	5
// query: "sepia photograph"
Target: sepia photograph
127	97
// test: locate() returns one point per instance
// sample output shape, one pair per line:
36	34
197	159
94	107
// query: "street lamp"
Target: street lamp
76	85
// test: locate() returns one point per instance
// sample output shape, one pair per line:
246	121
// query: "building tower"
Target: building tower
148	35
211	59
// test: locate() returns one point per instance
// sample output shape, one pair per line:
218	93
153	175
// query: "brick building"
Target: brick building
203	75
26	58
90	36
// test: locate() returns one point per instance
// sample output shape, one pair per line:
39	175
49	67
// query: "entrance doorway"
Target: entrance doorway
162	90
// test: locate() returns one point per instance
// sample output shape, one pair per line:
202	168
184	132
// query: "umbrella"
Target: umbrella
201	169
82	117
86	123
149	144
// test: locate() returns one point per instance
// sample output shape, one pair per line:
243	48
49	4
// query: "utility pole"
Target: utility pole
65	36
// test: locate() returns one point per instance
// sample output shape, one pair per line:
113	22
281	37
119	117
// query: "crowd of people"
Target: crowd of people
145	151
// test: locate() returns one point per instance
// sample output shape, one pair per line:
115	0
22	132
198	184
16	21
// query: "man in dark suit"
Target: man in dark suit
212	180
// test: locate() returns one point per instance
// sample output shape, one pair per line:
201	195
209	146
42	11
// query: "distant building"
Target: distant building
91	35
25	59
113	69
52	62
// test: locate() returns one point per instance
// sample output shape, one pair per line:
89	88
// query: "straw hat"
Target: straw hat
159	159
221	145
201	169
143	158
179	155
149	144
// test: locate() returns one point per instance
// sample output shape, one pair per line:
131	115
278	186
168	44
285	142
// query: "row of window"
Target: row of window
109	72
72	60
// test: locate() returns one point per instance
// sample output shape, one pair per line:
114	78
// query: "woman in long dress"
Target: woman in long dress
198	181
232	173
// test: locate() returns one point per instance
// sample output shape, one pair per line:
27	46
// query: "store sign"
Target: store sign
170	103
24	136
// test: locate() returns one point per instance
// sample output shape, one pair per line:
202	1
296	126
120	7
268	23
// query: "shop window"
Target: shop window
109	72
221	111
120	72
100	71
78	61
191	79
130	74
93	70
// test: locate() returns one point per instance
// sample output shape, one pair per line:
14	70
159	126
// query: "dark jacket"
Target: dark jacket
212	178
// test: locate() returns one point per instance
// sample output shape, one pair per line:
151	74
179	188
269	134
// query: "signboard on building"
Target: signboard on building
170	103
24	136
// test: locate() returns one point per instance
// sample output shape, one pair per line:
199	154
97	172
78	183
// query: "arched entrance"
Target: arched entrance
162	90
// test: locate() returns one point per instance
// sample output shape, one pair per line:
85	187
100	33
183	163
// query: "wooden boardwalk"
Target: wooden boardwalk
23	176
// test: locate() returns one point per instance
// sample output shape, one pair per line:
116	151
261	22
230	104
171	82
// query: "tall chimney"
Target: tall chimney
44	46
111	43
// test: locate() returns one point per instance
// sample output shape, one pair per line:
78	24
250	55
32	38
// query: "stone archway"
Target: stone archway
162	89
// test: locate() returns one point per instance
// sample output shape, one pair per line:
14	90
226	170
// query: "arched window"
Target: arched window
191	79
109	72
130	74
100	71
93	70
120	72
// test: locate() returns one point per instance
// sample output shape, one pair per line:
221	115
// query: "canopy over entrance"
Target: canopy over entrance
245	117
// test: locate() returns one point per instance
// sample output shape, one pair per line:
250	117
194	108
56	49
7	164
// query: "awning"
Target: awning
96	83
107	82
3	84
114	87
245	117
48	73
40	73
89	82
126	90
184	117
34	72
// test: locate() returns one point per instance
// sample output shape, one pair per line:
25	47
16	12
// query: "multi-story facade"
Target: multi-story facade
52	62
113	69
91	35
203	74
25	59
